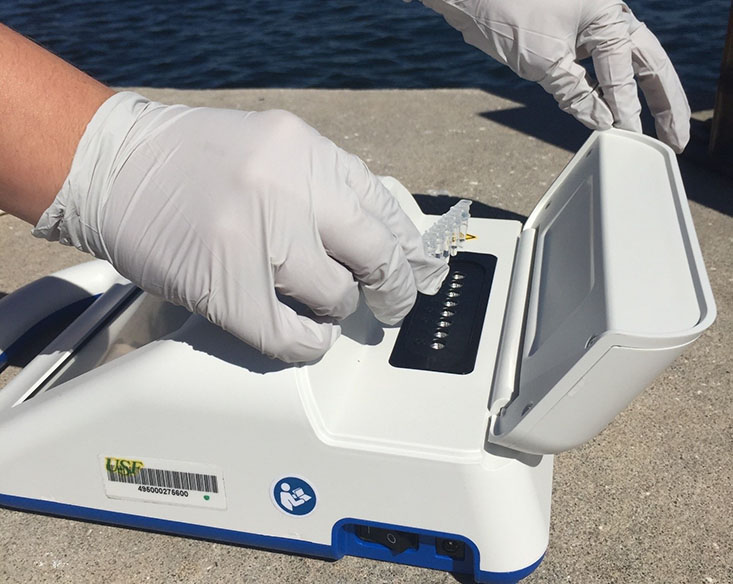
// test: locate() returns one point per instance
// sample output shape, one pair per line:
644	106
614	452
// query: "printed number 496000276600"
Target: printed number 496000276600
163	491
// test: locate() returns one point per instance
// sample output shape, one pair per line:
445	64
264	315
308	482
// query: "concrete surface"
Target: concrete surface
648	501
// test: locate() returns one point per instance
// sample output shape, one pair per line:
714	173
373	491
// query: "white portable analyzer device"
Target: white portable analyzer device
428	443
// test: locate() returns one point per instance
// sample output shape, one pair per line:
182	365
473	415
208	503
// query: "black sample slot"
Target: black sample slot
442	332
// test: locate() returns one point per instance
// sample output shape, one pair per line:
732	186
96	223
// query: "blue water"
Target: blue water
316	43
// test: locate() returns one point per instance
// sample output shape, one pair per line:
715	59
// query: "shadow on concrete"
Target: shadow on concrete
539	117
3	294
463	578
707	181
708	178
706	186
439	204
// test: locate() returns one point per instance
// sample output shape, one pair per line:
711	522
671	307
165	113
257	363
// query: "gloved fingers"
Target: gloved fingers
376	199
372	252
610	46
392	294
258	318
569	84
662	89
310	276
296	338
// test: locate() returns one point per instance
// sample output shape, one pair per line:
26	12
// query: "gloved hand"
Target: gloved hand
221	211
542	41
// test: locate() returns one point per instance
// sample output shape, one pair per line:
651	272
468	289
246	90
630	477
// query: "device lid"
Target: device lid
614	287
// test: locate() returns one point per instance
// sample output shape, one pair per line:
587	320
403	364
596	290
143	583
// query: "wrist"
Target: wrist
75	215
45	104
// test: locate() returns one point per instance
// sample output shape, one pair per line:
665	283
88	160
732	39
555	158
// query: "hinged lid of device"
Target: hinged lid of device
615	288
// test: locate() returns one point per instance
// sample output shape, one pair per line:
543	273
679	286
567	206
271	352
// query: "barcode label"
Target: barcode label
163	481
154	477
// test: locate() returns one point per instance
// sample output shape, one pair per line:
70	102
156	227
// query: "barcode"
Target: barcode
172	479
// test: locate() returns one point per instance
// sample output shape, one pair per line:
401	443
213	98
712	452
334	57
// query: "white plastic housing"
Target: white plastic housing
602	288
617	290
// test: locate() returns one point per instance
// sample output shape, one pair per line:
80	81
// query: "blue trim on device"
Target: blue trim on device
345	540
425	555
167	526
56	321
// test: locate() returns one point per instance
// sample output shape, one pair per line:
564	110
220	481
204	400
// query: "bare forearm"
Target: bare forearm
45	104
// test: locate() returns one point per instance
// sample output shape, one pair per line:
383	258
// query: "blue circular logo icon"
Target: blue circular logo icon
294	496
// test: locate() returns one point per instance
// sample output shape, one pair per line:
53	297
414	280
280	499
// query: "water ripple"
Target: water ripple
305	43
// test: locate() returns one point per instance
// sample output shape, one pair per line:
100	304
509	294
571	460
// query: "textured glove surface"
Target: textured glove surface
543	41
223	211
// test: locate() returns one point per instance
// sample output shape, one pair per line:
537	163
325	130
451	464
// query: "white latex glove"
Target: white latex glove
542	41
221	210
